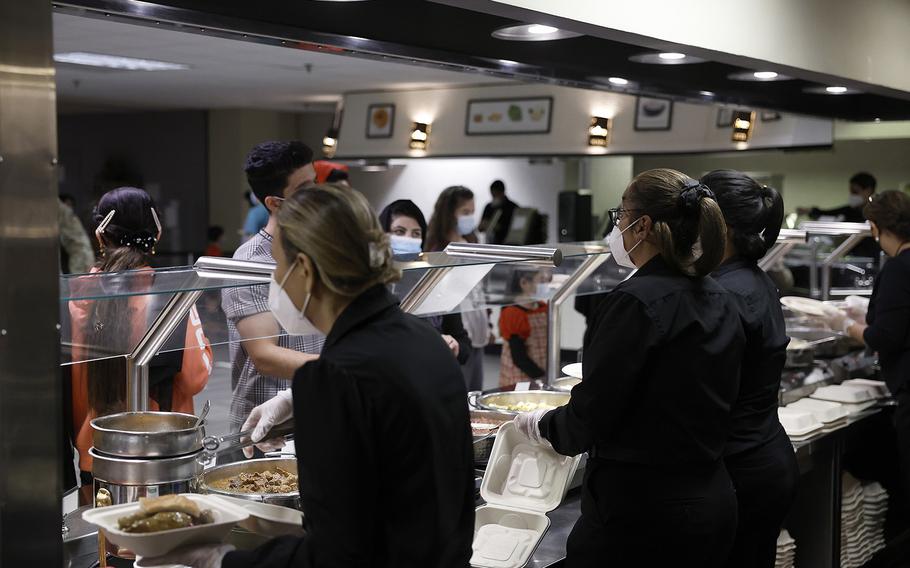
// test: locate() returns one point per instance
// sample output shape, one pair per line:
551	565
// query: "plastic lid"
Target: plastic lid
523	475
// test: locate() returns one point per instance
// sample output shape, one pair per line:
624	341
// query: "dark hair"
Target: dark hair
269	165
519	274
754	212
129	241
215	232
336	175
890	211
683	212
864	179
498	185
403	208
443	221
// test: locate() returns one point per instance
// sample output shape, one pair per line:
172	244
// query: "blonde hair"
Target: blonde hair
687	222
336	228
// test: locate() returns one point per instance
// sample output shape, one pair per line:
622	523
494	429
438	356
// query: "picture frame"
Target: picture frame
513	116
770	116
652	113
724	118
380	120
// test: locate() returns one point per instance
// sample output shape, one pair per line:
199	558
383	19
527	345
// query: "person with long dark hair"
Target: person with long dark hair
453	222
127	230
758	454
661	373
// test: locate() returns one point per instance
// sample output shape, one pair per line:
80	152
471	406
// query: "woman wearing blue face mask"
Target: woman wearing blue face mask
661	373
453	222
403	221
382	431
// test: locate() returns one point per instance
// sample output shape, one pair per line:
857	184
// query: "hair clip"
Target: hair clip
157	222
105	222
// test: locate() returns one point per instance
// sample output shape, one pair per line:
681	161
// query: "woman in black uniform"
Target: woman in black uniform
758	455
661	372
382	431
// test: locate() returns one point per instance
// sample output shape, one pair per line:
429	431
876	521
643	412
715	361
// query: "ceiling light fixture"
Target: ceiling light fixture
532	32
758	76
330	142
671	56
508	62
665	58
116	62
618	81
743	122
599	132
420	136
836	90
706	93
765	75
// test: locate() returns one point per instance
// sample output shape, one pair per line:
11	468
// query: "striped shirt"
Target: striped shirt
250	387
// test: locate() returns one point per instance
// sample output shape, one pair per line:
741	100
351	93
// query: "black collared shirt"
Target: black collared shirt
755	419
889	321
661	373
384	448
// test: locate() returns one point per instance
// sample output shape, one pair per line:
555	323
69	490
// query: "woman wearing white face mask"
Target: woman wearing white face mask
383	436
453	222
661	372
403	221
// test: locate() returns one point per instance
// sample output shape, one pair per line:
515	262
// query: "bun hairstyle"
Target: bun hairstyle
687	223
335	227
890	211
754	212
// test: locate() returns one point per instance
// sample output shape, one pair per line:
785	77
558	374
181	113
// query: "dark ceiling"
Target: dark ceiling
427	32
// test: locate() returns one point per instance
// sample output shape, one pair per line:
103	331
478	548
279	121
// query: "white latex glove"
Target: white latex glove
837	319
263	418
857	307
453	345
528	423
194	556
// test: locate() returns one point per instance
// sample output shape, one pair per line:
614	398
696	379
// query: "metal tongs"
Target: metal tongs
215	445
489	434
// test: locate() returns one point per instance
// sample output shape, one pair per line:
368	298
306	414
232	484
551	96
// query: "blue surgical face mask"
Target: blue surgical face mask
466	224
404	245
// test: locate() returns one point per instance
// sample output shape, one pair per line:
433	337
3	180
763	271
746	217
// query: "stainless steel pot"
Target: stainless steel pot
147	434
139	471
222	472
565	384
507	401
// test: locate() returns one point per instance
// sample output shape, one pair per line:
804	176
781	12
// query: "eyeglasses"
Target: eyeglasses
617	214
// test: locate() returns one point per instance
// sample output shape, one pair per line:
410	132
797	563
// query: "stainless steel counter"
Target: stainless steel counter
552	549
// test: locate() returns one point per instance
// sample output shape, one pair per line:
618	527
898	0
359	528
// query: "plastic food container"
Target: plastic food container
155	544
824	411
797	422
523	481
850	394
878	387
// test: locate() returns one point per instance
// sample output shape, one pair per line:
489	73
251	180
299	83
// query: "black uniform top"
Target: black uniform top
384	449
866	247
501	230
889	321
661	372
755	419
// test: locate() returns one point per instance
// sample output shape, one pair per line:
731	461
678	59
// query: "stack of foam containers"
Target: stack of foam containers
863	511
786	551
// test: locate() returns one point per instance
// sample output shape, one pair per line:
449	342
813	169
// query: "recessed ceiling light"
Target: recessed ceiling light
532	32
758	76
508	62
834	90
666	58
116	62
618	81
706	93
878	120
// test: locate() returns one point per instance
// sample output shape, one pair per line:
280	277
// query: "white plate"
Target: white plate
806	306
573	370
158	543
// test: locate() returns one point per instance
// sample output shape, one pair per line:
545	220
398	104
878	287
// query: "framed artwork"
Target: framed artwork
724	118
769	116
380	120
653	114
532	115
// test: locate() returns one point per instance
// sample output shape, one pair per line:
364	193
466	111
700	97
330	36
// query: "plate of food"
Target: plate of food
155	526
806	306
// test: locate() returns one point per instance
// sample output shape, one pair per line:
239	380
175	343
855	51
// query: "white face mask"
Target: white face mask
856	201
293	321
466	224
620	254
404	245
543	290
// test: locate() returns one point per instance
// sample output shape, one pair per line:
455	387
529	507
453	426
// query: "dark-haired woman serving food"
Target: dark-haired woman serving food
661	374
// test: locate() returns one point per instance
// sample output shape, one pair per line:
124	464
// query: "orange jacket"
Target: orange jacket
192	378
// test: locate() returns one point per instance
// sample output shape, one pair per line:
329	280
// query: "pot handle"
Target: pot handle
472	399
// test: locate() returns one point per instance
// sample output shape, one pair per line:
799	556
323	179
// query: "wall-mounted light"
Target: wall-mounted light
330	142
743	122
599	132
420	136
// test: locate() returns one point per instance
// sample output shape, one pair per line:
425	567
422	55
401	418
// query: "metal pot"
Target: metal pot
483	445
147	434
506	401
222	472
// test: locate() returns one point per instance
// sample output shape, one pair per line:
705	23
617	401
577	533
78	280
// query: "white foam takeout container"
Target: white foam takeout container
850	394
155	544
878	387
825	411
523	481
797	422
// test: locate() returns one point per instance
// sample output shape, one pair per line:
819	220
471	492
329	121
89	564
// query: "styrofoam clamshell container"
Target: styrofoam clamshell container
797	422
157	543
878	387
523	482
824	411
850	394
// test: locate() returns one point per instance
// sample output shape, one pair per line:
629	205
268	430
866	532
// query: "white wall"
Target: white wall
693	125
422	180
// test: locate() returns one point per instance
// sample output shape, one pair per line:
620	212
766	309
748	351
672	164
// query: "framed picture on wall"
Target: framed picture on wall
724	118
769	116
653	114
380	120
509	116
